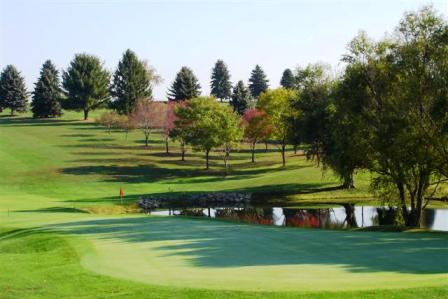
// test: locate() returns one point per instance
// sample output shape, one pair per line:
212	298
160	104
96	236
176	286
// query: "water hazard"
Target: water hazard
347	216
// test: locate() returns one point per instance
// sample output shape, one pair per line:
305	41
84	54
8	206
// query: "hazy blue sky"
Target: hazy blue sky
170	34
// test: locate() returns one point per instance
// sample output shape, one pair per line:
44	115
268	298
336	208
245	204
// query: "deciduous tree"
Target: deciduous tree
147	116
278	105
257	127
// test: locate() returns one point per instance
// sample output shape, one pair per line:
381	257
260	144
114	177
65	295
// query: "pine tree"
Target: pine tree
240	98
86	83
47	93
258	82
131	82
185	86
288	81
13	94
220	81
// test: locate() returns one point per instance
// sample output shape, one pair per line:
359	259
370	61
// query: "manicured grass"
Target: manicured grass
53	171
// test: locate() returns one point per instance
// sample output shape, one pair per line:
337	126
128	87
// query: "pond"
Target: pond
347	216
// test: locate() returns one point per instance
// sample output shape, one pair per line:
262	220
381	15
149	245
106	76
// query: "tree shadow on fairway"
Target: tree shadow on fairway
220	244
53	210
29	121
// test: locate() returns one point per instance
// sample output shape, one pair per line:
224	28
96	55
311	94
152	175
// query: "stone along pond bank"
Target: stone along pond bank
216	199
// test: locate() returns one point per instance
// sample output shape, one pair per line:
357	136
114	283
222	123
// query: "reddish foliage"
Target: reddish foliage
258	125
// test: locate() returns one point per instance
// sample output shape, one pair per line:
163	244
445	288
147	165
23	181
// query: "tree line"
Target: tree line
86	85
386	113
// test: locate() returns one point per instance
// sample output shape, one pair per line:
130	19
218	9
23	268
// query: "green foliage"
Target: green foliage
396	89
257	127
185	86
220	81
86	83
258	82
47	93
288	80
278	105
13	94
131	82
311	105
206	124
241	98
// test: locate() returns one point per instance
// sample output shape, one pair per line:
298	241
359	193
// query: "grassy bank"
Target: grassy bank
61	177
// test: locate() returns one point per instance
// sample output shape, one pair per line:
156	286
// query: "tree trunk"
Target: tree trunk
266	147
206	158
295	149
166	145
182	151
12	111
283	155
253	152
86	114
226	158
348	182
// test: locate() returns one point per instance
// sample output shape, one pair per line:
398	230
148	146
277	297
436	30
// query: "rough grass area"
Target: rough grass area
60	180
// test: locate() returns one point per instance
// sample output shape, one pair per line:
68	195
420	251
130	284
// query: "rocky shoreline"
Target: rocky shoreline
215	199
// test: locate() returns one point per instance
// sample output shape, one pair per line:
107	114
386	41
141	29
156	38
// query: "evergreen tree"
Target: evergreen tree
220	82
288	81
258	82
240	98
131	82
86	83
13	94
185	86
47	93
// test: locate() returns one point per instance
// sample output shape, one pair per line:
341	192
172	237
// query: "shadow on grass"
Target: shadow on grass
29	121
53	210
219	244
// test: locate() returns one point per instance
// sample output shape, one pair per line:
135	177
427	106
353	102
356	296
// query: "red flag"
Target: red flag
121	195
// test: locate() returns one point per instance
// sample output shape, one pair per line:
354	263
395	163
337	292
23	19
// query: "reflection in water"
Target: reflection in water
347	216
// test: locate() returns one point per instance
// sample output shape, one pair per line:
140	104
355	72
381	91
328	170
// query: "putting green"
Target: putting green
196	253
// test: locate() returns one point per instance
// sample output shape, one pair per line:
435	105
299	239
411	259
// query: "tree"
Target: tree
258	82
123	122
13	94
47	93
147	115
205	124
288	80
343	144
220	81
230	132
185	85
131	81
180	130
86	83
240	98
278	105
257	127
399	90
315	86
168	123
108	119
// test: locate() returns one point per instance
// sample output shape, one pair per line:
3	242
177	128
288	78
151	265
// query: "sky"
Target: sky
276	34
